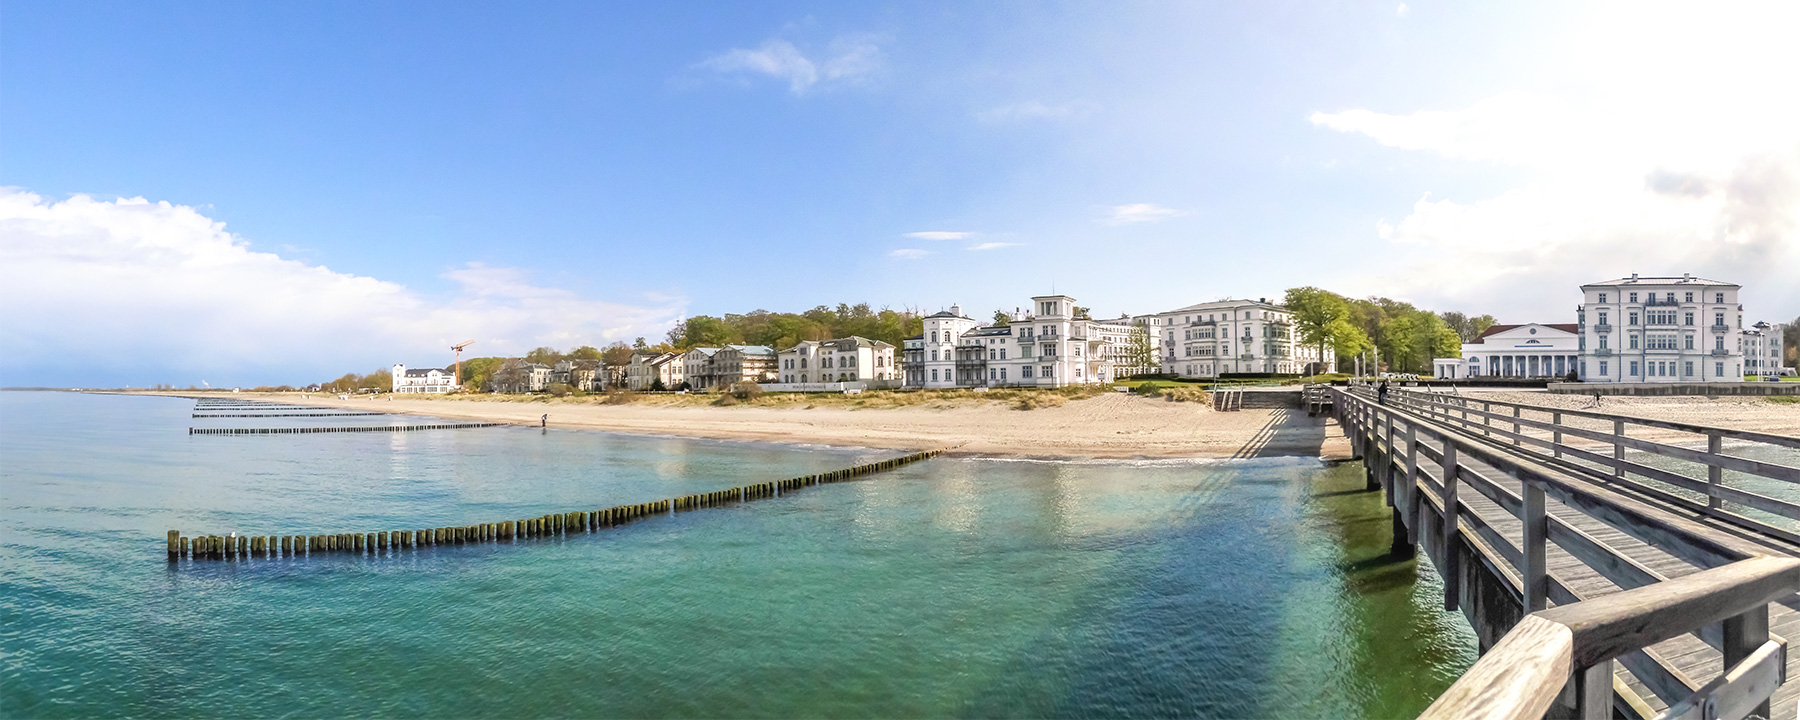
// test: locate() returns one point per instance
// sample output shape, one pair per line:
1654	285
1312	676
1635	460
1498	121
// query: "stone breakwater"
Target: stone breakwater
231	547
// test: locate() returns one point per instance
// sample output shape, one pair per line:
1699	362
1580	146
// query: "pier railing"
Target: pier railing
1594	439
1496	546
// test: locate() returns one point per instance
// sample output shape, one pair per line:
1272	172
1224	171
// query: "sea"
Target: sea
955	587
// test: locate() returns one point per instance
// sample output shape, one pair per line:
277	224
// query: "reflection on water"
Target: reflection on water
956	587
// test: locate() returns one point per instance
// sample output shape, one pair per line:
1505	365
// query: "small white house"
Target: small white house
431	380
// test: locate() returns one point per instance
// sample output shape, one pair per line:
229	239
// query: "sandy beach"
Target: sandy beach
1107	426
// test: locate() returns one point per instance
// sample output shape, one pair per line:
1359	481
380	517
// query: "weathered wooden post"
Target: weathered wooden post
287	545
1743	635
174	544
1715	475
1533	571
1556	435
1452	564
243	545
1618	448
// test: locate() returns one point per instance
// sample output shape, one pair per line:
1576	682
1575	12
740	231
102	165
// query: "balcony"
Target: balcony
1603	328
1246	356
1653	302
1721	329
1603	352
1721	352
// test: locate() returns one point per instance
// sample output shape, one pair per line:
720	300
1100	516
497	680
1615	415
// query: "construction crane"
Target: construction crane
459	348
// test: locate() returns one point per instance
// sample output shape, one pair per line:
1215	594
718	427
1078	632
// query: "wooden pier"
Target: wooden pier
383	542
1599	586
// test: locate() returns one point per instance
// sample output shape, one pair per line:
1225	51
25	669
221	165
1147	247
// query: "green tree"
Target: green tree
1322	318
544	356
476	372
1002	318
585	352
1140	352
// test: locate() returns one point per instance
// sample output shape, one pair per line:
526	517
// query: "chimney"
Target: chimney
1634	276
1687	276
1264	301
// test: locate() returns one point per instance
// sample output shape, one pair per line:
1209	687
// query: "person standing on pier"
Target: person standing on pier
1381	393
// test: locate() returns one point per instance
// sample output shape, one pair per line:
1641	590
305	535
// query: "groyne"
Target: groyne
234	546
298	414
367	428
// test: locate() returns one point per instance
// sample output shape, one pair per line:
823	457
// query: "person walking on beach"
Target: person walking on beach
1381	393
544	422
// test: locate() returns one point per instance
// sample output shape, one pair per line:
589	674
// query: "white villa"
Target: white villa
1660	329
432	380
851	359
1234	336
1048	347
1531	350
646	368
1762	345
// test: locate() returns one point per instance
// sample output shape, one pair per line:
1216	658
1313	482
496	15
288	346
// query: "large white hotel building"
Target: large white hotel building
1661	329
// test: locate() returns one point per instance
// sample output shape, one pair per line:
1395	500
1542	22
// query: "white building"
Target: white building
646	368
1660	329
1532	350
1761	345
1050	346
1234	336
431	380
850	359
1117	334
696	367
912	361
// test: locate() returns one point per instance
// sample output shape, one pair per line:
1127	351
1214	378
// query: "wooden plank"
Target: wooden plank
1609	626
1518	679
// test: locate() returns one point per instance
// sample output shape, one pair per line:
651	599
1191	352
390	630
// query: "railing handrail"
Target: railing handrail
1750	435
1523	674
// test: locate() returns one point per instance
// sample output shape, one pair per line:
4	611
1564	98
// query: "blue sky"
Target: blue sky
396	177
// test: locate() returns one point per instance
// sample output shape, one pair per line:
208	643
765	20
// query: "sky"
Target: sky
262	193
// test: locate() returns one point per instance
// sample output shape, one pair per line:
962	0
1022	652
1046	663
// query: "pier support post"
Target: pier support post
1448	545
1535	574
1715	446
174	545
1743	635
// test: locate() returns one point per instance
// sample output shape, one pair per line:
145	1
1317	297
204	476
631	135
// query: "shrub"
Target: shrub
560	390
657	386
1151	389
746	390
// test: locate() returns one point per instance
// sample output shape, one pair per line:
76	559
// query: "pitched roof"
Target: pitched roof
1684	280
989	331
1570	328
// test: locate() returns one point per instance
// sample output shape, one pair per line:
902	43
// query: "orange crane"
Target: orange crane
459	348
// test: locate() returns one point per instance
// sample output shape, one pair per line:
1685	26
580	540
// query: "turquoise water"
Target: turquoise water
950	588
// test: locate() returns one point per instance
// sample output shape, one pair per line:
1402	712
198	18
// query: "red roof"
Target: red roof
1570	328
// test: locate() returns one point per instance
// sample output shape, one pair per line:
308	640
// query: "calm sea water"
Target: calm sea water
954	587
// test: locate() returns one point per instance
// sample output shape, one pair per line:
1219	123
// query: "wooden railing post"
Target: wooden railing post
1592	691
1412	483
1487	423
1515	426
1387	464
1534	572
1618	449
1447	549
1715	475
1743	635
1556	436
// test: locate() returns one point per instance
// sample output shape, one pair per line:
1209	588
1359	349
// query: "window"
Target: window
1602	317
1002	353
1719	342
934	336
1046	371
1002	374
1719	298
1633	319
1689	319
1602	367
1718	369
1602	297
1633	297
934	375
1687	368
1634	367
993	355
1719	319
993	374
1690	342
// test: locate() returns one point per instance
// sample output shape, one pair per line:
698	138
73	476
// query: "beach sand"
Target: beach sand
1108	426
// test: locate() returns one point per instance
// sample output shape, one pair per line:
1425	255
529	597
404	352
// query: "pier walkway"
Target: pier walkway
1611	566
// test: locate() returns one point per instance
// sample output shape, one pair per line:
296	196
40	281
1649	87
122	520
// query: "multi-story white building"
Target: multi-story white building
1531	350
943	330
647	367
1660	329
696	367
1234	336
430	380
912	361
1118	346
742	363
1050	346
850	359
1761	345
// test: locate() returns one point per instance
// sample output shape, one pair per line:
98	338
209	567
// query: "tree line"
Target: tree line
785	330
1404	337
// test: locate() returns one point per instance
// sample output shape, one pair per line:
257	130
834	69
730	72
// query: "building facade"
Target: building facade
696	367
1234	336
848	359
733	364
1660	329
1531	350
647	368
1762	345
1052	345
943	330
430	380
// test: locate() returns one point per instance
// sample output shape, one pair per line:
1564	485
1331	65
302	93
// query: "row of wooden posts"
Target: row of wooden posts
282	414
220	547
364	428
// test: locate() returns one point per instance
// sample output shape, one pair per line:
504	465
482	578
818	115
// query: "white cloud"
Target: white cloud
909	253
1033	110
847	59
994	245
939	235
1665	144
1139	213
1401	10
135	284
